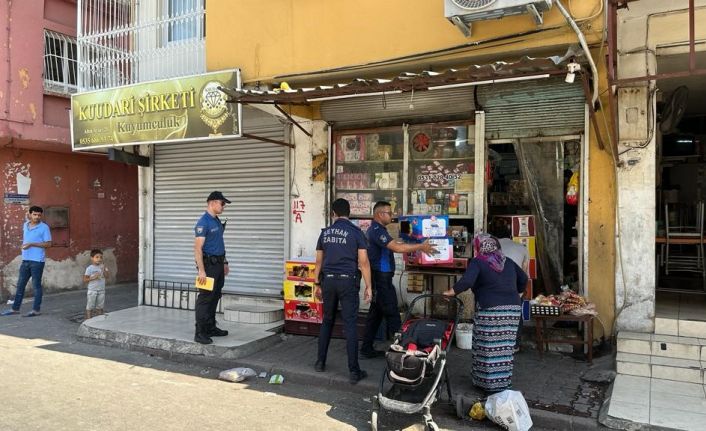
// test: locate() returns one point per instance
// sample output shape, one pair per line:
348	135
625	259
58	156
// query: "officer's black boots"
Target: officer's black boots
355	377
319	367
215	331
201	335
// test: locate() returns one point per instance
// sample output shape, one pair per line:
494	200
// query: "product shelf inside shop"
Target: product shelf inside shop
367	190
362	162
451	159
433	188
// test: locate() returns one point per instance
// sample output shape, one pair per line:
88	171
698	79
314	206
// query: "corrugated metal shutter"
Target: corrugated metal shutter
527	109
252	175
397	106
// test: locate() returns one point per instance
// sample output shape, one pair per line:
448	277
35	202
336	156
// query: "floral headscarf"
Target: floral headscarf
487	249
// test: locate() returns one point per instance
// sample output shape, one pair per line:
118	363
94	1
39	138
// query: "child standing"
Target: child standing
95	277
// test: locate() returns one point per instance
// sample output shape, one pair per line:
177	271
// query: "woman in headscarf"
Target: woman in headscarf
496	283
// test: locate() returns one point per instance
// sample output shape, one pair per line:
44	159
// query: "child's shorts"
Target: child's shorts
96	299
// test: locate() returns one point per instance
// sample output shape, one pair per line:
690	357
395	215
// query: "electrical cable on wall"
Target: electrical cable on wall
582	42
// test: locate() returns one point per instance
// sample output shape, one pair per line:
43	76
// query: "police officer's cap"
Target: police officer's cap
217	196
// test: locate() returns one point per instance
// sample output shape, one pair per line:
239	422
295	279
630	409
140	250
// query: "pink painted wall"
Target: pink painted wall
102	201
26	114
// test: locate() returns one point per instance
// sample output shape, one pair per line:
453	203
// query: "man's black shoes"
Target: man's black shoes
202	338
355	377
370	354
217	332
319	367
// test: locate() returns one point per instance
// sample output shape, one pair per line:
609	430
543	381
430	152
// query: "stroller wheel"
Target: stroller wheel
374	421
432	426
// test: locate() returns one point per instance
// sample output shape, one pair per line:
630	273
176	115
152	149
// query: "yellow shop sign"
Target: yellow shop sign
190	108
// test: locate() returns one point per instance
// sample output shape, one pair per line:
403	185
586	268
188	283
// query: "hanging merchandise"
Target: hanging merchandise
572	190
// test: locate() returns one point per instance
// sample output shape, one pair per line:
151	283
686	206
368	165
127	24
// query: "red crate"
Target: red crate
303	311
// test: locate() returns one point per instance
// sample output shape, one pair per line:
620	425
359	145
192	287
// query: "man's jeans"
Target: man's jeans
33	269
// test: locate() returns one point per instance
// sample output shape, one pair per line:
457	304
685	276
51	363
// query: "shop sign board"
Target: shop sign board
182	109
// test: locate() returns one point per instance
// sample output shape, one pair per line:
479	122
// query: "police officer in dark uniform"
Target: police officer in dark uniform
341	257
381	247
210	256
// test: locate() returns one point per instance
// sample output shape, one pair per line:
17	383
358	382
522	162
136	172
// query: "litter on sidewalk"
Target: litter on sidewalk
236	374
509	410
276	379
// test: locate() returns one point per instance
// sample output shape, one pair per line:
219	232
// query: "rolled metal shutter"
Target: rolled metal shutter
528	109
404	107
250	173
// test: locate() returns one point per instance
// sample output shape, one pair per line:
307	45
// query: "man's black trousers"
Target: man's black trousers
207	301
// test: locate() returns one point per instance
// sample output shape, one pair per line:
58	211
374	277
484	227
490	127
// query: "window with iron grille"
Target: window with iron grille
60	63
185	20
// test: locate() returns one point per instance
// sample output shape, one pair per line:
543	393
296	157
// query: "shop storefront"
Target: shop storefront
189	142
423	161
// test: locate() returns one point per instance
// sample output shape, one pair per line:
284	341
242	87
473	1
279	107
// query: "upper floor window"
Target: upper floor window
185	20
60	63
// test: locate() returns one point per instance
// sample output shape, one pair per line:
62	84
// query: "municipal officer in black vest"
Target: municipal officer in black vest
210	256
381	249
341	257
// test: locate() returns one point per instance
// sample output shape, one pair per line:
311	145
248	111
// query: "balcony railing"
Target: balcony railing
122	42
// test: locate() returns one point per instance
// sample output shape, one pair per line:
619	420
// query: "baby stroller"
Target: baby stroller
416	361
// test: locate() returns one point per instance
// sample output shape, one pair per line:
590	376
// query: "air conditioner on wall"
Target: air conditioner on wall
463	12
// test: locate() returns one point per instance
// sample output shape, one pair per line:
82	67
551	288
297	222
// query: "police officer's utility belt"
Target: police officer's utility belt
339	276
214	260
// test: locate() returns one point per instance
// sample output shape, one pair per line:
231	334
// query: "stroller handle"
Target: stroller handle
459	303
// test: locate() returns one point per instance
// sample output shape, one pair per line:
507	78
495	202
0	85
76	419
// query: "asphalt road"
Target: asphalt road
52	381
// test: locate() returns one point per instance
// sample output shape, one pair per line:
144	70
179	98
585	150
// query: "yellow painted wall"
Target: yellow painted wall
281	37
305	36
601	214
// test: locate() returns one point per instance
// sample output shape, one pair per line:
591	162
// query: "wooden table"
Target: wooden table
587	333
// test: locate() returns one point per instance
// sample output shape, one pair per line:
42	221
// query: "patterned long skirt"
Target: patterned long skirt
494	335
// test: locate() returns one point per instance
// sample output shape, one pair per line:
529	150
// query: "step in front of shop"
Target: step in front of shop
680	327
662	357
257	314
666	346
681	370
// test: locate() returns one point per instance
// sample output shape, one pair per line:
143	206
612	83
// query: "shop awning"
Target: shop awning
525	68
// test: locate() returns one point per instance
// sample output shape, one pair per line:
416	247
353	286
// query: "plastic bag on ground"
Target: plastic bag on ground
236	374
509	410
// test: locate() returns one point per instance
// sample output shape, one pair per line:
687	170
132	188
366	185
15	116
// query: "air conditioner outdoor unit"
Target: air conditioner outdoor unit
463	12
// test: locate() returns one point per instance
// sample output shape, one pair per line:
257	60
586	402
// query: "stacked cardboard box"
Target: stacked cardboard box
522	228
418	228
415	283
300	303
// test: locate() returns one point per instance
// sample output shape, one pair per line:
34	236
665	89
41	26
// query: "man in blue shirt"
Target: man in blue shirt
36	239
341	257
381	249
210	257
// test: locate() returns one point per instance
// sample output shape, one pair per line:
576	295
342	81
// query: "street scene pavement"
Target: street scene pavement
55	381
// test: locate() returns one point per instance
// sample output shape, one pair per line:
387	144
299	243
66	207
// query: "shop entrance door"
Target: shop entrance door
528	198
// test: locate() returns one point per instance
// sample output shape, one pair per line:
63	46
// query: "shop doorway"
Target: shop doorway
681	192
537	182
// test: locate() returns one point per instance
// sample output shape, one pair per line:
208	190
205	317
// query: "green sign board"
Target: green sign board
183	109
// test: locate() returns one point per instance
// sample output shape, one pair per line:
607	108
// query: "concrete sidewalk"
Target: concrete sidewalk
172	331
563	393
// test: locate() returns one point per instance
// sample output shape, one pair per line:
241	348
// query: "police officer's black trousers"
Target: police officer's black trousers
345	289
384	304
207	301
